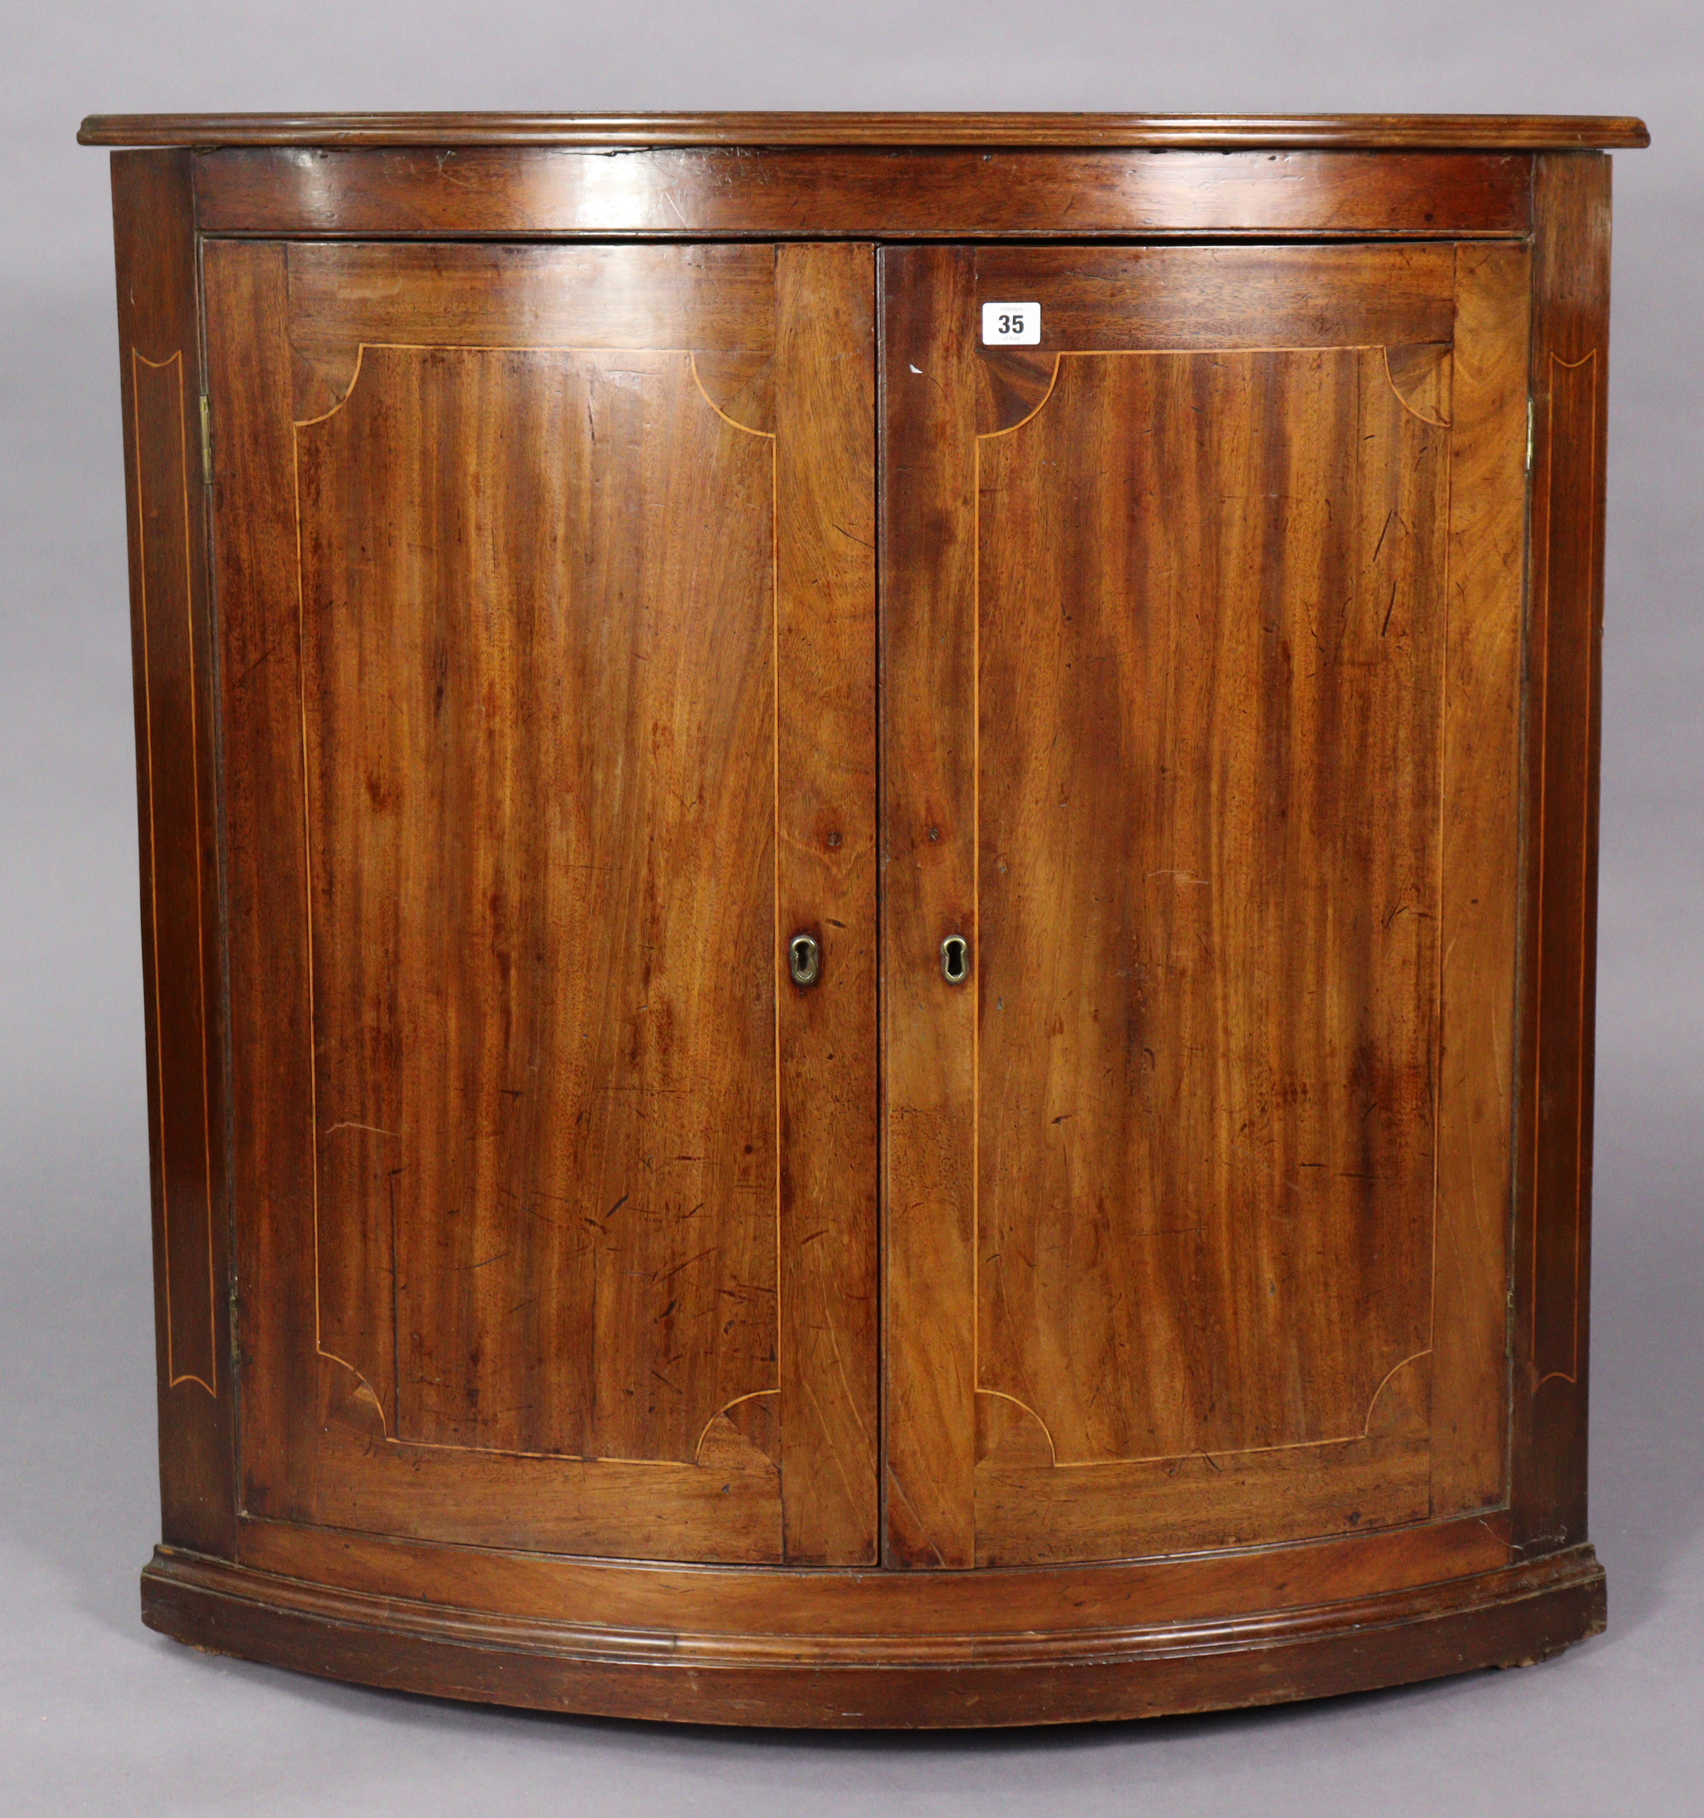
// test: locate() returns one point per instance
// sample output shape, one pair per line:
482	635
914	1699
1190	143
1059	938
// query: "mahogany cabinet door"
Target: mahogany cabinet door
1202	632
545	593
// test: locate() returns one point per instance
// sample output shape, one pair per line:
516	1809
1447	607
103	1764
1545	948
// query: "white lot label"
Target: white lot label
1011	325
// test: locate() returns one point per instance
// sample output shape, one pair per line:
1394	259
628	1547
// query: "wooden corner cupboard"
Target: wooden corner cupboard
868	865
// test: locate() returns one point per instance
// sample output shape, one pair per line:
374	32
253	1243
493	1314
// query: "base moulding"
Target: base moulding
1510	1616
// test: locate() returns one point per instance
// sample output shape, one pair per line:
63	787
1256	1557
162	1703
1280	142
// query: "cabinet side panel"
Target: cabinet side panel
1481	878
1570	331
159	345
826	881
928	892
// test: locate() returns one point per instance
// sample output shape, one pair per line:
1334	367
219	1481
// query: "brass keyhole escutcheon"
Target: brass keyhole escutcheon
804	959
955	959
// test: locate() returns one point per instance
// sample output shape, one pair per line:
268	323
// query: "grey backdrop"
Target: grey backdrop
97	1715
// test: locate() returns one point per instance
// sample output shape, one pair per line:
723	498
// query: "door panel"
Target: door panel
1208	899
511	543
1198	1192
527	982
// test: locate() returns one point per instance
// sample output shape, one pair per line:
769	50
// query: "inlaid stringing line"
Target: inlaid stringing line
138	359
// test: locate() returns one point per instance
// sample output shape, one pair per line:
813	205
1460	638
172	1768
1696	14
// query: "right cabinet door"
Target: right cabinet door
1202	659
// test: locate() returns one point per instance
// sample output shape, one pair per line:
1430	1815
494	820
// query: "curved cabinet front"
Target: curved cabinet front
545	728
1135	1261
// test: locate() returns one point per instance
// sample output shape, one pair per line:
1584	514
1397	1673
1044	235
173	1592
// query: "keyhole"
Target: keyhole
955	959
804	959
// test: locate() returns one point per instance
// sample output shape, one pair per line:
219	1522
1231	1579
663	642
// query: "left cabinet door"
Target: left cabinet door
545	607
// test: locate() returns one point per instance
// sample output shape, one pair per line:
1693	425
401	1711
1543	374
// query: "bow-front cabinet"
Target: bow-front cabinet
868	855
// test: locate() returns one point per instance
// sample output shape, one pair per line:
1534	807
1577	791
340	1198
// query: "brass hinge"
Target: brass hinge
206	441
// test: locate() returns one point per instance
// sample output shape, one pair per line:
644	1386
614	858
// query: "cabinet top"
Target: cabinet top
1220	132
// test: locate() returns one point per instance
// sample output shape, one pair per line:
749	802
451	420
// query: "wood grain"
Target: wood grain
735	1600
825	193
1148	298
537	845
928	873
826	884
1553	1228
609	1317
539	725
1480	858
175	880
1208	899
718	298
1407	132
177	791
265	931
1509	1617
723	1504
1206	1082
1153	1507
